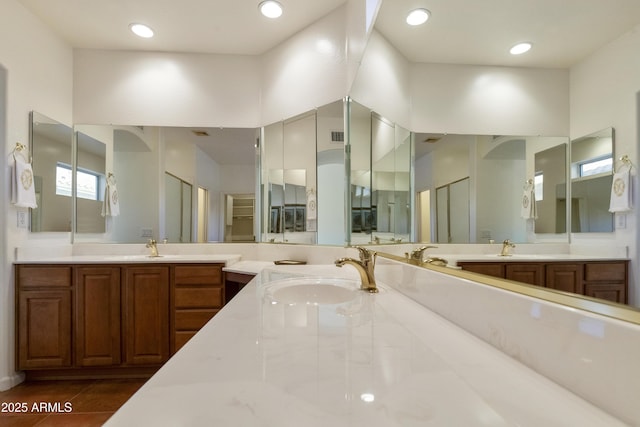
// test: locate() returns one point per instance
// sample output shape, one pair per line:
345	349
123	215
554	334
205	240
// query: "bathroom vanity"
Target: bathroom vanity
93	319
605	279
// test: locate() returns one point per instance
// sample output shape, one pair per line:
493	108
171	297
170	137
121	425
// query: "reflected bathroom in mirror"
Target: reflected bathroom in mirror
381	154
289	177
471	187
551	192
90	179
214	162
591	178
51	143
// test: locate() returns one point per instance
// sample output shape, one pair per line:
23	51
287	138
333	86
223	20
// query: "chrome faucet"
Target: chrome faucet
416	256
152	244
365	266
505	247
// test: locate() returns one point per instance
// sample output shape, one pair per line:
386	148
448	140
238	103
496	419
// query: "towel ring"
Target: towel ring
626	161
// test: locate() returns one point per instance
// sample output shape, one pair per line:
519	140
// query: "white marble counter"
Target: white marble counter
372	360
131	259
250	267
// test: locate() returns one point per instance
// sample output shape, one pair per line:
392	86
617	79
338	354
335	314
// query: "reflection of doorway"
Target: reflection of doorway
453	212
239	213
177	209
424	201
203	215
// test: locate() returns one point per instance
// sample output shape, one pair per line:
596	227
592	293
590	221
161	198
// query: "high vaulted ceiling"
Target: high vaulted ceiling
474	32
459	31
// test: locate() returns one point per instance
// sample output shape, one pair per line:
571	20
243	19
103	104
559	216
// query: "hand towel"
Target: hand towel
621	194
528	208
23	193
111	204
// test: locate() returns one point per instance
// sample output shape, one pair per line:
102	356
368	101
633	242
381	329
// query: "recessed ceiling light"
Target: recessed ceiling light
141	30
270	9
418	16
520	48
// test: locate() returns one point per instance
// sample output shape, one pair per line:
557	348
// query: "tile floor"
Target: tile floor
74	403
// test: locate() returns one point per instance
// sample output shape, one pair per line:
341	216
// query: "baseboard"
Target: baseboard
11	381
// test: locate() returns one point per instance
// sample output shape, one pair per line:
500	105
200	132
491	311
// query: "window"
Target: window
87	185
596	166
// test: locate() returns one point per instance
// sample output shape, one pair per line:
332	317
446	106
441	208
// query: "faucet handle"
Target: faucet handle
417	253
365	254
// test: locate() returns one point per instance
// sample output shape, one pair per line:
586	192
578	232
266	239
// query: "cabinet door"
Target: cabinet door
565	277
532	274
97	316
145	306
44	329
494	269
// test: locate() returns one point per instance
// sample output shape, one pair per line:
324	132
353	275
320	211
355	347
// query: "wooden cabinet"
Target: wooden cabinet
198	294
532	274
43	317
110	319
607	280
145	308
599	279
565	277
97	316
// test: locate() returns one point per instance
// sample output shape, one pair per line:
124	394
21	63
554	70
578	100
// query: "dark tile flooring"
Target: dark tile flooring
73	403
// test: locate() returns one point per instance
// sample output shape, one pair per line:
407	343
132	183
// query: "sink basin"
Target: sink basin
313	291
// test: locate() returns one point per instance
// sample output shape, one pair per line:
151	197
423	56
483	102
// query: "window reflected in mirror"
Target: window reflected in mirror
591	179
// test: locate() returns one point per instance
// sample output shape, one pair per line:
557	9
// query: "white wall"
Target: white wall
487	100
39	77
166	89
383	82
307	71
605	92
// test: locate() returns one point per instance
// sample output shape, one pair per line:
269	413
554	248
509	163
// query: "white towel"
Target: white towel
23	193
528	208
111	204
621	194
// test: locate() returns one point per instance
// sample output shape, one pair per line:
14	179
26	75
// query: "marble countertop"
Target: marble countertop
130	259
362	360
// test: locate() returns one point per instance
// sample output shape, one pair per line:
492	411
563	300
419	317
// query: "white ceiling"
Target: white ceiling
459	31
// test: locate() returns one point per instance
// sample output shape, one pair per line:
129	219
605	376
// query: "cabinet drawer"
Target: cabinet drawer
614	271
193	320
198	275
44	276
211	297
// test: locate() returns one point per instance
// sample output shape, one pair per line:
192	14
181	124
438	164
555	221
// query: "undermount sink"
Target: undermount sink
313	291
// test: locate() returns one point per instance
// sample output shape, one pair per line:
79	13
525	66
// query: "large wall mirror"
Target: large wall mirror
471	187
163	176
381	191
591	179
289	180
51	148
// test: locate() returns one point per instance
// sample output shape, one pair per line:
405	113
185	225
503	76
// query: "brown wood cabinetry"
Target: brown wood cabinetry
43	317
145	308
97	316
197	295
77	320
599	279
